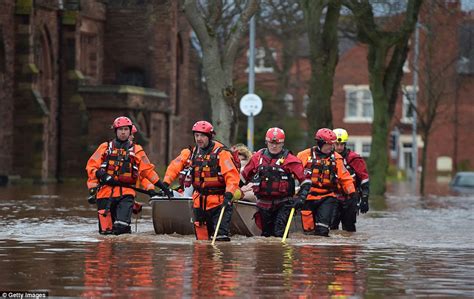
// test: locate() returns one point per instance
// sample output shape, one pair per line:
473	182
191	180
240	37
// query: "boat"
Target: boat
176	217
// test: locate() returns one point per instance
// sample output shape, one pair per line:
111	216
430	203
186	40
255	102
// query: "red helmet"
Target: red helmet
122	121
134	129
275	135
204	127
325	135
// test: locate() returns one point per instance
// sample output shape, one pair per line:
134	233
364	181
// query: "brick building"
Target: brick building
69	67
453	66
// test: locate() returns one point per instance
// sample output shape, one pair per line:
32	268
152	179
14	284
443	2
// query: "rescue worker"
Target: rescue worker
325	168
346	211
273	171
209	168
114	166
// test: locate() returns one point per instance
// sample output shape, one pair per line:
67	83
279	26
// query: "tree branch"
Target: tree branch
232	44
197	21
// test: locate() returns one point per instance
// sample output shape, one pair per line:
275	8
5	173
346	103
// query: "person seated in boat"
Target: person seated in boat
210	169
325	169
273	171
114	166
244	156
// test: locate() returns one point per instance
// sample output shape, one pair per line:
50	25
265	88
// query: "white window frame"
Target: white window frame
288	99
358	118
358	142
260	60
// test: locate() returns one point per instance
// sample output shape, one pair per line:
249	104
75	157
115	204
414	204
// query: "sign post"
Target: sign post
250	105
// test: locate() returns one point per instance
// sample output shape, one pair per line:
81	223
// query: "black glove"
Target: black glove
298	203
92	195
364	204
228	198
104	177
165	188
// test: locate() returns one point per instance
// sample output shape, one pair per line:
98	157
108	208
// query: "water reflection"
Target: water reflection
408	246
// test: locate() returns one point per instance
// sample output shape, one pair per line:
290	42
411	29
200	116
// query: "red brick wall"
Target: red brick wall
6	84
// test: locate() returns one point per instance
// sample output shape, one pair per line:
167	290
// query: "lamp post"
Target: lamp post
250	119
414	152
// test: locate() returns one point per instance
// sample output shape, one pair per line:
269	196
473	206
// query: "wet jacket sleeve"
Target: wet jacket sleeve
360	168
178	164
230	173
146	170
93	164
250	169
296	168
344	177
303	156
146	184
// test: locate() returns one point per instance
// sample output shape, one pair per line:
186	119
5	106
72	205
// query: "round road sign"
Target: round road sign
251	104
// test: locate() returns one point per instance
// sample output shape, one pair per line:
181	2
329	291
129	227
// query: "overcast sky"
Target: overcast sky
467	4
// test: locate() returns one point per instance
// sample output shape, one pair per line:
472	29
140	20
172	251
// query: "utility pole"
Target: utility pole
414	152
250	119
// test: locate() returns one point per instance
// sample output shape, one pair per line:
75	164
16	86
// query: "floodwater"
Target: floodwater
406	246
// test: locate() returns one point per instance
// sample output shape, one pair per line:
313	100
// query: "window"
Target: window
305	105
359	107
263	64
288	99
88	56
407	109
351	146
365	149
360	144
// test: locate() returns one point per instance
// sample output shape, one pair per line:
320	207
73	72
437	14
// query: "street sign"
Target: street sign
251	104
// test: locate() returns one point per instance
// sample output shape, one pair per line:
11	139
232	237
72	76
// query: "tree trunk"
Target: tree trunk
426	136
378	159
323	44
386	56
218	61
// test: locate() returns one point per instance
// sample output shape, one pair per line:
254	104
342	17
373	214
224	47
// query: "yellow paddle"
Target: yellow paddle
218	225
288	224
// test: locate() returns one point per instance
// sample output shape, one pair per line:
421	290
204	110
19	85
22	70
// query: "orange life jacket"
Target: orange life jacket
206	173
271	179
322	172
120	162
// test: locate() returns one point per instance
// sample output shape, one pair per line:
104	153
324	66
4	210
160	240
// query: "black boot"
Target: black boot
119	229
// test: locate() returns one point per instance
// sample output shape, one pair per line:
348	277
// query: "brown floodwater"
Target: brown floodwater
406	246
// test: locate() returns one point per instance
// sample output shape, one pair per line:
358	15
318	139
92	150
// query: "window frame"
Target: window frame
358	118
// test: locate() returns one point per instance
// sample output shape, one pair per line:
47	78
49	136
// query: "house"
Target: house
449	84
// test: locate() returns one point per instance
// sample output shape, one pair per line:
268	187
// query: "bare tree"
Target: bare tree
387	52
437	75
219	26
283	21
321	17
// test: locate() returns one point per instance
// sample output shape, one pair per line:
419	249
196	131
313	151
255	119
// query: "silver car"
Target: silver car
463	183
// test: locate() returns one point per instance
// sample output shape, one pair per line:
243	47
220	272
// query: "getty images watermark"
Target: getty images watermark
23	294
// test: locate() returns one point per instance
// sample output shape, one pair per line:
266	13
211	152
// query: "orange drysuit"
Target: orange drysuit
326	174
147	176
206	179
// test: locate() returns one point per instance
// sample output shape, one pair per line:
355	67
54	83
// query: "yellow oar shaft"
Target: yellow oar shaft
288	224
218	225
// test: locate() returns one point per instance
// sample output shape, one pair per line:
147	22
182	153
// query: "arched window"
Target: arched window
44	62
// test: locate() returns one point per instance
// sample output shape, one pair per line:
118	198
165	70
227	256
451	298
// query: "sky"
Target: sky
467	4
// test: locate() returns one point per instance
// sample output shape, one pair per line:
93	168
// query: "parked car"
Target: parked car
463	183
